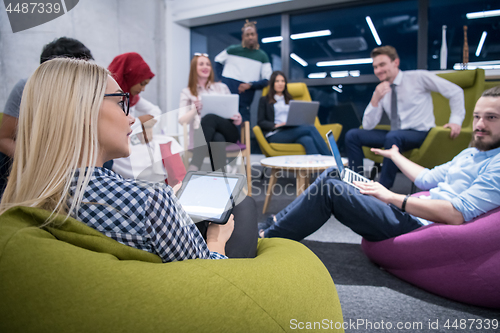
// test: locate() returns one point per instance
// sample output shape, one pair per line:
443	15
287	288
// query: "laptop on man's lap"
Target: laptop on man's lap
345	174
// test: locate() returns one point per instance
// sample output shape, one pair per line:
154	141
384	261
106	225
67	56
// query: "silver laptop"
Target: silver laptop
302	113
347	175
223	105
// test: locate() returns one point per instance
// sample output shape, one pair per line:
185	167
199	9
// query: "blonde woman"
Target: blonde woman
74	117
215	128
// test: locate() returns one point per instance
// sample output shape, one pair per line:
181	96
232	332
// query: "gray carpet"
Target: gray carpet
369	295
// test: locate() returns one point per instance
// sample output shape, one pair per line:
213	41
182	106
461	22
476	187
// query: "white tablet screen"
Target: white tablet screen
207	195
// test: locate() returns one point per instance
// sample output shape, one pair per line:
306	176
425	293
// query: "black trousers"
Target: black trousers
243	241
216	131
5	166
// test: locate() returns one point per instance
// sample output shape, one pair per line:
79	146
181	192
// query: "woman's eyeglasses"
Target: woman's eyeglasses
201	54
125	102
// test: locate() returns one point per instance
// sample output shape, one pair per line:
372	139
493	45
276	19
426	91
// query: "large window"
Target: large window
349	31
213	39
320	41
345	105
348	35
453	14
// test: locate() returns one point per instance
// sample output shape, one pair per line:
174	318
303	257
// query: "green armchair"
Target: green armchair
299	92
437	147
74	279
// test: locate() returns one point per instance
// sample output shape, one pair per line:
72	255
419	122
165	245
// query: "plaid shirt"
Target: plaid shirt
140	214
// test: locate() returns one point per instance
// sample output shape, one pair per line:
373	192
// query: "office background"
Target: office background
167	32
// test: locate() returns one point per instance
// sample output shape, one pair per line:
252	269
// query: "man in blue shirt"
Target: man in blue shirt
459	190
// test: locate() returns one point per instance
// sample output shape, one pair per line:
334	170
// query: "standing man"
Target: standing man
406	99
244	68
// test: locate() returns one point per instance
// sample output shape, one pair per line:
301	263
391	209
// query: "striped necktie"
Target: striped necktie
395	122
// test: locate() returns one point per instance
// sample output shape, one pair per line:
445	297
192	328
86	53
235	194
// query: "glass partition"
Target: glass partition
337	43
214	38
343	104
483	33
333	45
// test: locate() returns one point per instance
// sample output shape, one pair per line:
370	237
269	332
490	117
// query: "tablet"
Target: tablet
223	105
209	196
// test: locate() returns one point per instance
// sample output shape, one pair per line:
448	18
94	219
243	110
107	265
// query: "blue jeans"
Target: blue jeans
307	135
404	139
365	215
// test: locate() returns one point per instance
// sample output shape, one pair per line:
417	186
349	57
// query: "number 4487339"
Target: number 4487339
471	323
34	7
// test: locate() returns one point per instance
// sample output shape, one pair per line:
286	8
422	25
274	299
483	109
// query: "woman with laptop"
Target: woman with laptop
65	136
215	129
273	114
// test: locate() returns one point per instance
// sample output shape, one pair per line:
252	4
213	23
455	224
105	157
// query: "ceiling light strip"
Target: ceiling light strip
345	62
374	31
337	89
311	34
483	14
298	59
494	64
481	43
266	40
321	75
339	74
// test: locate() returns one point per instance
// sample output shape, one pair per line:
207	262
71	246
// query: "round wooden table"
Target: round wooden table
302	165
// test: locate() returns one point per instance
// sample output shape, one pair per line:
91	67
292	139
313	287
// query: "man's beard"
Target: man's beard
251	46
484	146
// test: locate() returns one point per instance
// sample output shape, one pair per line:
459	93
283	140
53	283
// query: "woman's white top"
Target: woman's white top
280	109
280	112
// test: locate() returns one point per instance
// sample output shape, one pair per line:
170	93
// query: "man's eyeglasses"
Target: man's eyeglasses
201	54
125	102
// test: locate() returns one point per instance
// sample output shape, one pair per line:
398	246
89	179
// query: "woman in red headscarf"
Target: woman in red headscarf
132	74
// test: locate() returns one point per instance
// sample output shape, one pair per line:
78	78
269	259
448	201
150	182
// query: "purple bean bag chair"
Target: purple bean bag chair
460	262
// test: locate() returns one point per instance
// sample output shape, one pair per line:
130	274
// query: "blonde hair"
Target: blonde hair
193	75
57	134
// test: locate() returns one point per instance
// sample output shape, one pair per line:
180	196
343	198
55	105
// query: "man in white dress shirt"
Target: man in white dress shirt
406	99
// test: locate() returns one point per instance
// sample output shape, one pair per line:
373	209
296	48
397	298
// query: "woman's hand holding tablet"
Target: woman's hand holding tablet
209	196
218	235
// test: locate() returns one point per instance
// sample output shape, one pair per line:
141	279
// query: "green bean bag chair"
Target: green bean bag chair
74	279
